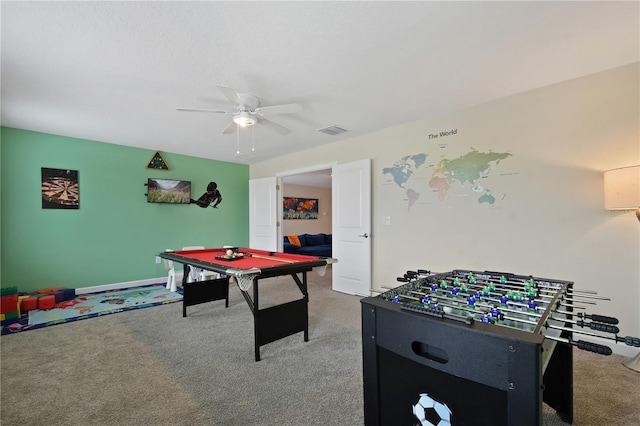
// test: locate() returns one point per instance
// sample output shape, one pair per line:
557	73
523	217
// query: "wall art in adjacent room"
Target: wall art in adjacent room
300	208
60	189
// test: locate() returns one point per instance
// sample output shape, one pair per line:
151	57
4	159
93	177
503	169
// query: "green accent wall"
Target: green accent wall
115	234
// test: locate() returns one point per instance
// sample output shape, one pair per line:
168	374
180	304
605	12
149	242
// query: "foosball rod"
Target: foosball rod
541	292
631	341
628	340
411	276
593	325
593	317
492	295
465	307
571	292
588	346
509	284
516	286
585	346
529	279
520	283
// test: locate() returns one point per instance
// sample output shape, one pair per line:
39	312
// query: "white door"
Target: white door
351	218
263	222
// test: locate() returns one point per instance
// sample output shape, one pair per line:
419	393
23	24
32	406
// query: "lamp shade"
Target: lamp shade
622	188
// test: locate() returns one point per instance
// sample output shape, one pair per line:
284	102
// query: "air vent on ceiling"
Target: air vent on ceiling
332	130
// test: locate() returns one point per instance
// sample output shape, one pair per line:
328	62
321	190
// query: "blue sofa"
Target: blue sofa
310	244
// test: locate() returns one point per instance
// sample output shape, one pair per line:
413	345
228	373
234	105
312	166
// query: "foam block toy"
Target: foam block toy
11	316
59	295
9	303
20	299
47	302
29	304
69	293
8	290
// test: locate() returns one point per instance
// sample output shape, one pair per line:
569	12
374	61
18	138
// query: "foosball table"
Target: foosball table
473	348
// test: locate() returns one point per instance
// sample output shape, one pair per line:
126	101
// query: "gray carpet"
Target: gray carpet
153	367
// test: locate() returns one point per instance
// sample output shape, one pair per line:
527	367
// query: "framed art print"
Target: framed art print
299	208
60	189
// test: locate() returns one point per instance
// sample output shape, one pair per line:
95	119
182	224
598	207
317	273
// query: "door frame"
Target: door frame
279	189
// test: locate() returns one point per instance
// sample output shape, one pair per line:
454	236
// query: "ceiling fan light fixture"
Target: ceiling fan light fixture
244	119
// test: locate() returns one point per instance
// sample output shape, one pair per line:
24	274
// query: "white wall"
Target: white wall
548	219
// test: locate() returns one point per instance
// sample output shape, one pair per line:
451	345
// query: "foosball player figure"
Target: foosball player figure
495	313
533	308
487	318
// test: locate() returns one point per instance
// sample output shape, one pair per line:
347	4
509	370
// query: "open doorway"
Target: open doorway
307	211
350	216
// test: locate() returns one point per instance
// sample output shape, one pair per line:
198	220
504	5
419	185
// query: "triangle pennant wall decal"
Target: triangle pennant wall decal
157	162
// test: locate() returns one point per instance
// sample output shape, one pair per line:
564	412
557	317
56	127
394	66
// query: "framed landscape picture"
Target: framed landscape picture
299	208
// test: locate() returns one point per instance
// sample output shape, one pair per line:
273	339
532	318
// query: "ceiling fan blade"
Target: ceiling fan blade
279	109
231	127
202	110
275	127
230	94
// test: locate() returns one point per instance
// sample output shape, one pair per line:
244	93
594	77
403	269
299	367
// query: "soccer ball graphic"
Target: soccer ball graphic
430	412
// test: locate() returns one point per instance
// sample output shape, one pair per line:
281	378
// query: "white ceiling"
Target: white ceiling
318	178
116	71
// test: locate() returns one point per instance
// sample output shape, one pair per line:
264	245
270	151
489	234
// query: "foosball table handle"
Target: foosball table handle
593	347
600	327
600	318
629	341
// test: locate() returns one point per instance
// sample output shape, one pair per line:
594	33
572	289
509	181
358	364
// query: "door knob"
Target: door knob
365	235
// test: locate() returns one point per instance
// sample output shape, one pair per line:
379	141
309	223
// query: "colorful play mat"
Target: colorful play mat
92	305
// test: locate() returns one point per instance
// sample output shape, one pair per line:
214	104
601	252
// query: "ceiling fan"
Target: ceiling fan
248	111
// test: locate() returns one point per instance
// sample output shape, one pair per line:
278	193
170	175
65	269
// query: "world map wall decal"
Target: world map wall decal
463	175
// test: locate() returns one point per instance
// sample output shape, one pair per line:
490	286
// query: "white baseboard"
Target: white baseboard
128	284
